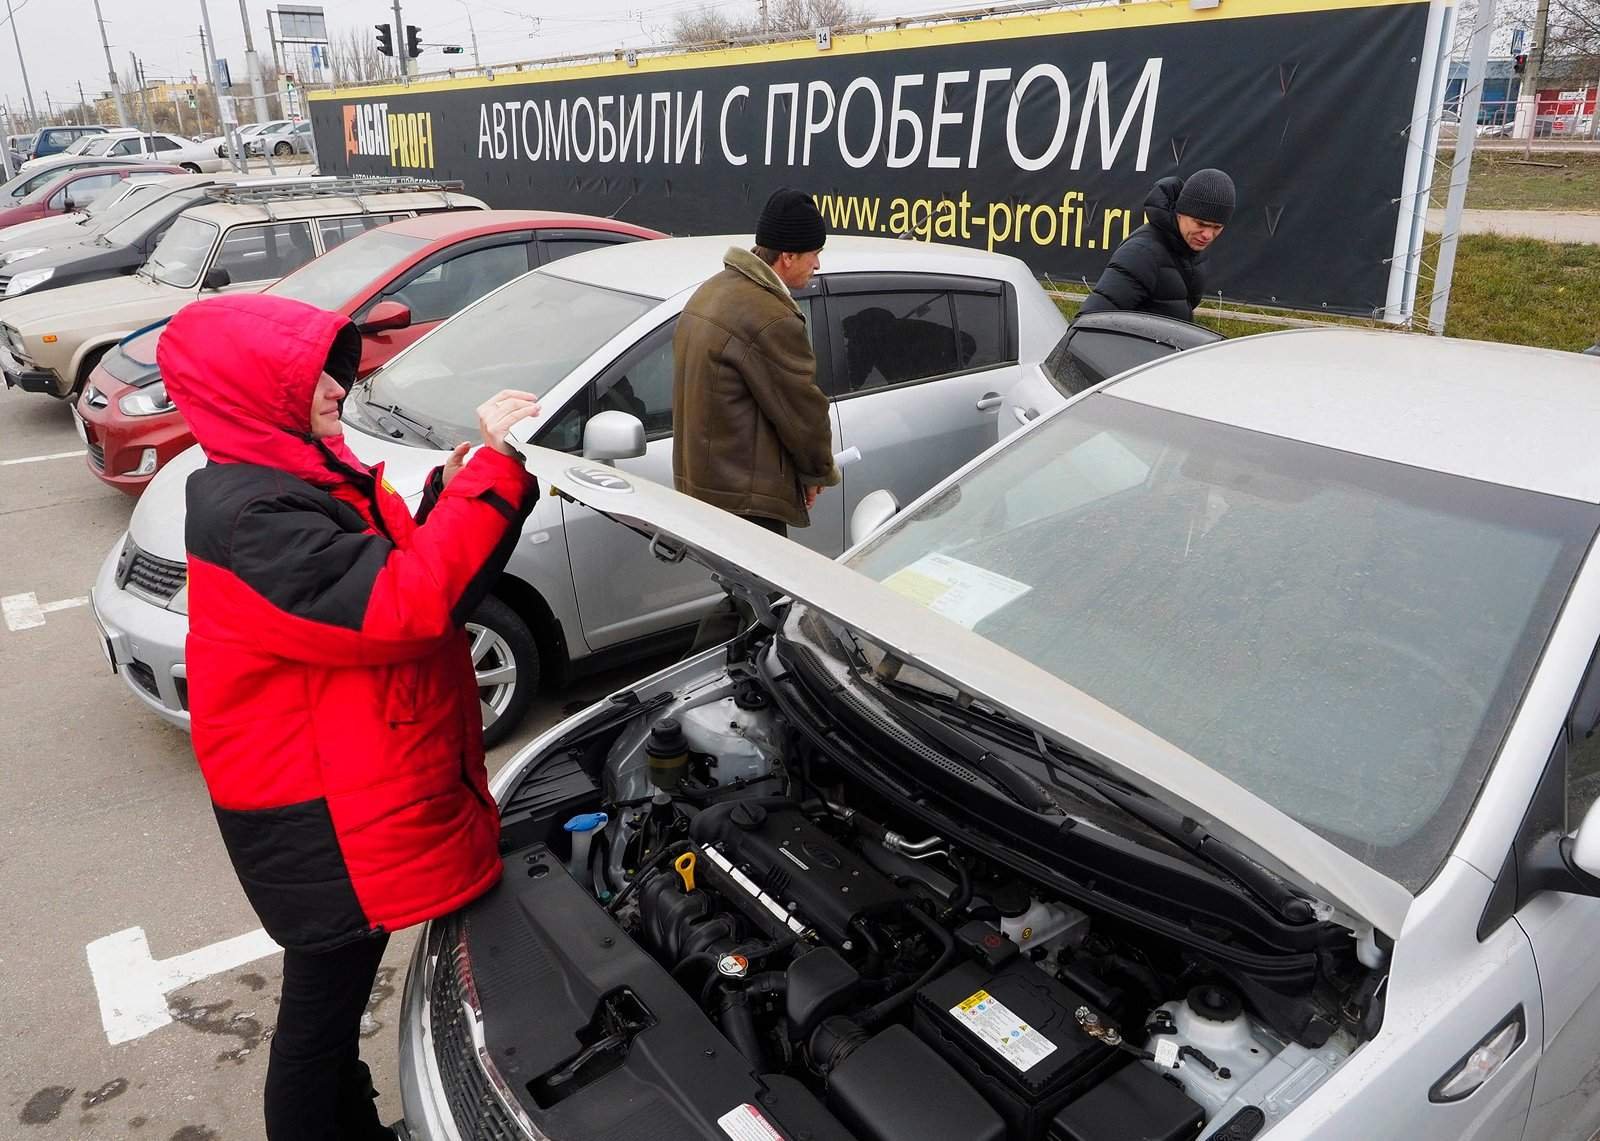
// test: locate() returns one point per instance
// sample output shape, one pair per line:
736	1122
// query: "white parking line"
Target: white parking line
25	611
133	985
38	459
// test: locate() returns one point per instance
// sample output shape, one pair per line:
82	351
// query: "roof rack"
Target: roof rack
257	193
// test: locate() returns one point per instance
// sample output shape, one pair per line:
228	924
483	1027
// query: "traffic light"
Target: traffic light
413	41
385	39
1520	65
452	49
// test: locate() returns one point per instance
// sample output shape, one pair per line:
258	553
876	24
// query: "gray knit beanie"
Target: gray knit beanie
1207	195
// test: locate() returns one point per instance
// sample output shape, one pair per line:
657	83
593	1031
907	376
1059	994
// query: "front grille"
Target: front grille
183	693
155	578
97	456
477	1111
144	676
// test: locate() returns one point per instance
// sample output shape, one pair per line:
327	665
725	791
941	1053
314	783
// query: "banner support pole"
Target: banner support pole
1461	168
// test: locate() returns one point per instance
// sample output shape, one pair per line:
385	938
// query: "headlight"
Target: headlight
18	255
150	401
28	279
14	342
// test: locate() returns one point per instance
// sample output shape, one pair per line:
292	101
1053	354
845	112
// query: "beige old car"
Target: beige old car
241	242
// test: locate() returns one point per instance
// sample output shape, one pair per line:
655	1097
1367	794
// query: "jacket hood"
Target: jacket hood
242	369
1161	207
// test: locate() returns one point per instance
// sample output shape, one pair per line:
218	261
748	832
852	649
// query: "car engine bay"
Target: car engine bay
851	972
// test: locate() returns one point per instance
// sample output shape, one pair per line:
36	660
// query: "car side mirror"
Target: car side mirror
216	278
1583	852
874	510
386	316
613	436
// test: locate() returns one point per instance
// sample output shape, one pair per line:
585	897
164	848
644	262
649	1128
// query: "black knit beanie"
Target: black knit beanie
1208	195
344	355
790	223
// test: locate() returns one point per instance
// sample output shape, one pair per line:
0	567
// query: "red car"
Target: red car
395	282
73	190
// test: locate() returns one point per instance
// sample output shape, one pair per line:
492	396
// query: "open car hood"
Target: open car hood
756	560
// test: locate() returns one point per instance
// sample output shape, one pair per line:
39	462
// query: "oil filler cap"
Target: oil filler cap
748	816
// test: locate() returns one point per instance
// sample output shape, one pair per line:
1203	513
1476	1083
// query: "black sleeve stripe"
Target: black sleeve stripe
431	490
482	582
499	503
305	564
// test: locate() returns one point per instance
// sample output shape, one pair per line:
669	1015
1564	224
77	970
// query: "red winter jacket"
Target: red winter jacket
334	708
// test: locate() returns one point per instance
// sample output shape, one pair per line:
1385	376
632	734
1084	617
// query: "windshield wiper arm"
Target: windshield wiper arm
417	426
1261	882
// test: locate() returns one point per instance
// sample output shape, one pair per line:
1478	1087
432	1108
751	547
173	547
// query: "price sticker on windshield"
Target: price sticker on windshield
959	591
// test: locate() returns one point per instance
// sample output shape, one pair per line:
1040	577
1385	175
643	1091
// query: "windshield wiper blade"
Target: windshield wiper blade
1271	889
417	426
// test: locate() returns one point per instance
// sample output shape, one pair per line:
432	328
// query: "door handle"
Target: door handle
989	401
1024	415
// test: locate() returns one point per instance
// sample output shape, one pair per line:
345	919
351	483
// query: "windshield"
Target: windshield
1344	637
92	145
528	335
180	256
338	275
149	212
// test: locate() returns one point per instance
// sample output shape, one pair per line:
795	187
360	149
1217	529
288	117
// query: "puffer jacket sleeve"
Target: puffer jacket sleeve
780	371
1127	281
341	598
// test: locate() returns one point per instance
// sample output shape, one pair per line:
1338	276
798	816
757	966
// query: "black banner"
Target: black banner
986	134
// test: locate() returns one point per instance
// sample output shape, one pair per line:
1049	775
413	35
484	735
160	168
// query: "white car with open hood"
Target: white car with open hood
1207	759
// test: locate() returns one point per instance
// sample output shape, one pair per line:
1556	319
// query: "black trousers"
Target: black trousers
318	1088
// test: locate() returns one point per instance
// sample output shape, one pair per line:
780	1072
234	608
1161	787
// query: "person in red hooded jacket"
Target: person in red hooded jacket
333	704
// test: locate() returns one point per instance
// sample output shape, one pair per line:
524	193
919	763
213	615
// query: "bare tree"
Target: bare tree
353	55
785	19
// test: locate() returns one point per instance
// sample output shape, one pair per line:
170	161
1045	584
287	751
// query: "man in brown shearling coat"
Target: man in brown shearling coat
750	427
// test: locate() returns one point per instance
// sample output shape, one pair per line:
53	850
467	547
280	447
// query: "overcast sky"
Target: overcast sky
61	45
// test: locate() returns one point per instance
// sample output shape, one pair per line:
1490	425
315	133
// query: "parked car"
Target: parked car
126	244
282	141
70	191
49	141
1096	347
245	240
25	183
29	239
218	144
916	386
396	283
175	150
19	146
1205	760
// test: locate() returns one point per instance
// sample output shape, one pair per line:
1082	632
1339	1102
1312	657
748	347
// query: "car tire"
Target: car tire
503	649
192	168
283	150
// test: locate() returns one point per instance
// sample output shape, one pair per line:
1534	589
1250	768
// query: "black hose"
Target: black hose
874	960
963	896
739	1024
649	865
882	1009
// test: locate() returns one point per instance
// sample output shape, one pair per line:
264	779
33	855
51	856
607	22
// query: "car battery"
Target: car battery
1013	1033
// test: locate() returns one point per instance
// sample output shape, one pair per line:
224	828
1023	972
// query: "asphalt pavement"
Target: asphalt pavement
106	834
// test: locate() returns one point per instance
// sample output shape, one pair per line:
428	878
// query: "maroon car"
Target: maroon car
73	190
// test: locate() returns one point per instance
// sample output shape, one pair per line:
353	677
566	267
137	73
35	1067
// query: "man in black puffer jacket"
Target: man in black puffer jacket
1161	267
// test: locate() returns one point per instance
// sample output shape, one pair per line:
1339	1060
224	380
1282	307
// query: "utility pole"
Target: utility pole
144	102
23	64
83	105
765	24
472	29
1530	81
253	65
178	112
402	59
277	67
111	70
208	49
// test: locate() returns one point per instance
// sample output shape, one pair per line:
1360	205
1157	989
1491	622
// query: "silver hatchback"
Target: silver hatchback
917	345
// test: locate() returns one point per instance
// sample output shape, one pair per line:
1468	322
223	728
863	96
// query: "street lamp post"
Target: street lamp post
22	63
476	63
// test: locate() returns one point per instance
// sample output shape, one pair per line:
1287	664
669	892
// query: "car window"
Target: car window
264	253
337	231
82	190
163	143
981	322
1583	753
894	338
128	146
99	145
181	253
450	286
557	248
343	274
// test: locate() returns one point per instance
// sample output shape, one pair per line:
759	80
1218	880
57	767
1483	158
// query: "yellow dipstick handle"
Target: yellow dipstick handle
684	866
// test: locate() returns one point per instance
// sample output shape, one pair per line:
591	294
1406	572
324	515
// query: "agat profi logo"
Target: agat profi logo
404	138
